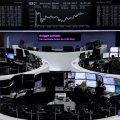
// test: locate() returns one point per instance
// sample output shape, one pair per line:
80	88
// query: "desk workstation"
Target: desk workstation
57	63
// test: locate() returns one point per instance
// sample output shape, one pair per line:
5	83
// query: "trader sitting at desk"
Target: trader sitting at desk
81	93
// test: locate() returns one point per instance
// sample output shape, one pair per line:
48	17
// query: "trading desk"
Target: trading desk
77	68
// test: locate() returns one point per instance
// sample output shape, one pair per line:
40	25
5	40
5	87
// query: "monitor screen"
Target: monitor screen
115	55
79	75
78	82
71	75
114	49
90	76
99	78
10	55
38	84
108	80
117	81
117	89
105	55
91	83
110	88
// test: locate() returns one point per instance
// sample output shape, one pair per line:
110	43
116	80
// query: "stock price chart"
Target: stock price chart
59	15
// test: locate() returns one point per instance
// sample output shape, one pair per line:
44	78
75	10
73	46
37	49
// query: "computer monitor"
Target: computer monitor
114	49
10	56
110	88
115	55
99	78
28	81
108	80
117	81
91	83
38	84
71	75
60	97
106	55
90	76
79	75
117	89
78	82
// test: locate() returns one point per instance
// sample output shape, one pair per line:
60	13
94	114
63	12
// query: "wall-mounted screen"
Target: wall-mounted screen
78	82
91	83
114	49
71	75
110	88
55	36
108	80
79	75
59	15
90	76
115	55
117	89
105	55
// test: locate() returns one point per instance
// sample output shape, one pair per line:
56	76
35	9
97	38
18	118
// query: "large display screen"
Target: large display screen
110	88
55	36
108	80
79	75
91	83
59	15
114	49
90	76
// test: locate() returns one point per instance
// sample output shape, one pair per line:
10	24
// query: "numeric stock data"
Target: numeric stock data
59	15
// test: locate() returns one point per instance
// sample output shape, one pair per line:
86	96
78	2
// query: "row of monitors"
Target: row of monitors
91	77
93	84
109	87
9	53
57	79
109	55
